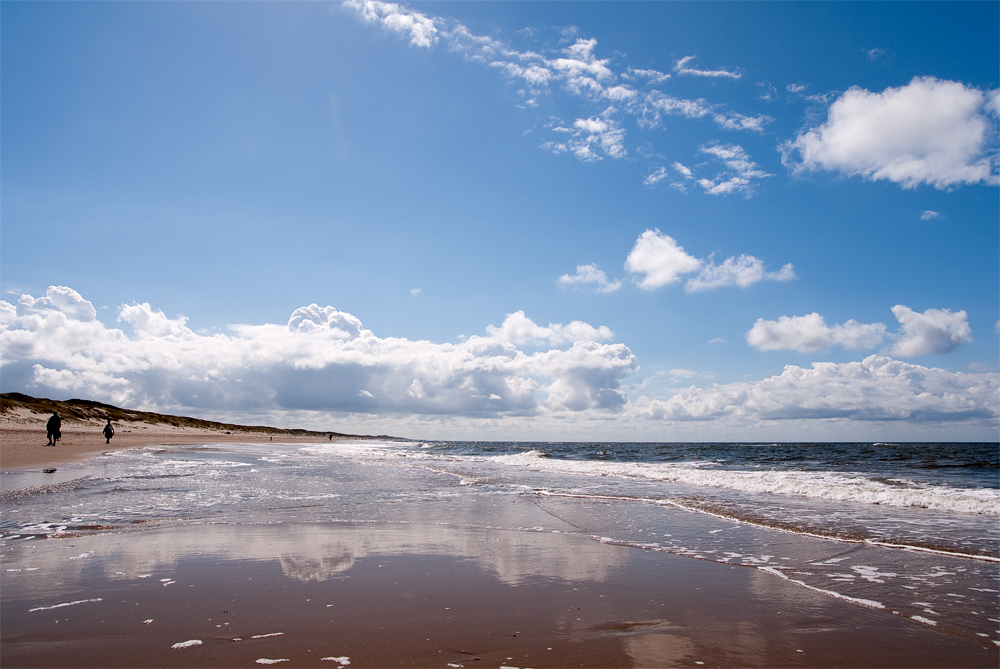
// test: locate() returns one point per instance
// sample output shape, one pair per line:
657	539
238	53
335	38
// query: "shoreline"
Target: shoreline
23	431
22	447
245	555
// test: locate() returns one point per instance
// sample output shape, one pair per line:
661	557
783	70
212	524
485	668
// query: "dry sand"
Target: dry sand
22	439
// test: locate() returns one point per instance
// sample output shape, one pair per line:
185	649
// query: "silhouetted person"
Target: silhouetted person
54	429
108	432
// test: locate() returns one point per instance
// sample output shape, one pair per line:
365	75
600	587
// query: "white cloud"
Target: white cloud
929	215
740	174
734	121
926	132
934	331
575	69
993	102
591	274
324	365
415	291
534	75
809	333
655	177
322	359
421	29
654	76
686	171
656	104
660	259
743	271
877	388
586	135
581	59
876	54
682	68
519	329
604	133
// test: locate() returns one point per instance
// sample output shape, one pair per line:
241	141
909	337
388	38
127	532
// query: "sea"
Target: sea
909	528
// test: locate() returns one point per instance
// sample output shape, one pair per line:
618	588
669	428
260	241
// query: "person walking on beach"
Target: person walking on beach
108	432
53	429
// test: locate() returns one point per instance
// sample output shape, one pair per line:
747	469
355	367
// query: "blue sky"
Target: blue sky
657	221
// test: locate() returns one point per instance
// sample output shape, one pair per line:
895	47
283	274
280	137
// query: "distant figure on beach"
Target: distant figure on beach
53	429
330	436
108	432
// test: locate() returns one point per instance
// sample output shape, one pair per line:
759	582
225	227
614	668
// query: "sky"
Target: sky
658	221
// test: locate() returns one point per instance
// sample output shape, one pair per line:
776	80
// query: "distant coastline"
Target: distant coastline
22	430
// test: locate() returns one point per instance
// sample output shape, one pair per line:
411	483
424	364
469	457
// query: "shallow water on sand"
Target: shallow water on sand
945	578
416	594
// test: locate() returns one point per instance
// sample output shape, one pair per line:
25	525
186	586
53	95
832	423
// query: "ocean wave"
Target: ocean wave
835	486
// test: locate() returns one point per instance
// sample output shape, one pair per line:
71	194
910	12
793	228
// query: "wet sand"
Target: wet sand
398	595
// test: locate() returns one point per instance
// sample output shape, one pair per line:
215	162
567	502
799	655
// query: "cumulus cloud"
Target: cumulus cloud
877	388
662	261
321	359
810	333
527	375
519	329
682	68
934	331
927	132
590	275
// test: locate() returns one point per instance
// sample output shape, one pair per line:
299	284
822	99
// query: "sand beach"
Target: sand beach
180	547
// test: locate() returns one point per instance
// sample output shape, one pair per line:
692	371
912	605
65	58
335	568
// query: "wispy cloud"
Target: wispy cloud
613	94
877	54
742	272
656	176
740	174
682	68
653	76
